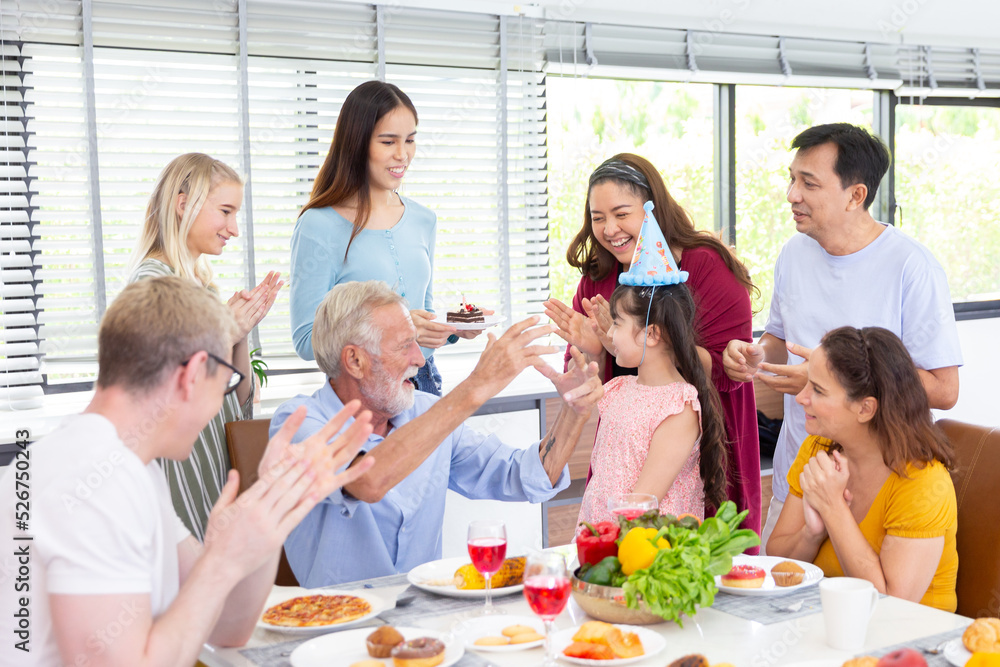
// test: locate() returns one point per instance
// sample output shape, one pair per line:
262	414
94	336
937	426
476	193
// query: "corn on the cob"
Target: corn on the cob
510	574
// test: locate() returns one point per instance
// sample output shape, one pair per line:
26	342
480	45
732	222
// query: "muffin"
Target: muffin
787	573
381	642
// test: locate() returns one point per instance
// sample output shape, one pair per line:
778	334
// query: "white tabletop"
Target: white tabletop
718	636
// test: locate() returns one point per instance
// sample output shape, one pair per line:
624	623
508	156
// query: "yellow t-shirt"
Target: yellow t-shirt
918	506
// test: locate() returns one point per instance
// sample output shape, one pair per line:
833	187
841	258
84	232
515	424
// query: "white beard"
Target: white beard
384	393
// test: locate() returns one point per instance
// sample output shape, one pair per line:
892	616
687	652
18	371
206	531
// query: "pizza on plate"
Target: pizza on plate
316	610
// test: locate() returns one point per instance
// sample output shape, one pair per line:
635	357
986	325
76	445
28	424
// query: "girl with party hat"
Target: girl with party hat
661	431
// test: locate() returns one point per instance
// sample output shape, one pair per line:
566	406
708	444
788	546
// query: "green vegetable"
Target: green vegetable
682	578
603	573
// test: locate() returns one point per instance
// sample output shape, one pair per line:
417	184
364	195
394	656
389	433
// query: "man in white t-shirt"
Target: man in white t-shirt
844	269
102	571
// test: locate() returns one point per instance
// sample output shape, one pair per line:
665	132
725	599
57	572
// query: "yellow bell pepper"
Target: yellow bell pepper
637	550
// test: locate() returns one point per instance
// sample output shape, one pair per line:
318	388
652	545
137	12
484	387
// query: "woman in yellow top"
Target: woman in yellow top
871	496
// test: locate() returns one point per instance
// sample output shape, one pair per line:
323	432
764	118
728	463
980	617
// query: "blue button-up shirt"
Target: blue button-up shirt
344	539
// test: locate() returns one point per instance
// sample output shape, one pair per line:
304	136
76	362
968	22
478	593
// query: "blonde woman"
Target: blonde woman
192	213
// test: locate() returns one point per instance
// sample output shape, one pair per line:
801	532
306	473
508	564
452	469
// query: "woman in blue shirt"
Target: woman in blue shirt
356	226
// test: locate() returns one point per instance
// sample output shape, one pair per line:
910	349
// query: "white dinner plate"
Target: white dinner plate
812	576
652	643
817	663
280	594
439	570
492	626
956	653
346	648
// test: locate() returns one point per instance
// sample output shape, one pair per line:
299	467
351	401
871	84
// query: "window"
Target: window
946	159
79	167
670	124
767	119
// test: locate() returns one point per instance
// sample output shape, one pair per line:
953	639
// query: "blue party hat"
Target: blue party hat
652	261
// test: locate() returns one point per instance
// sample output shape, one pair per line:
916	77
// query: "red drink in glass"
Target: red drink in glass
547	595
487	554
629	514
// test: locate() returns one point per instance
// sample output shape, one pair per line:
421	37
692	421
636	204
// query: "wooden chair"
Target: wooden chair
977	477
246	441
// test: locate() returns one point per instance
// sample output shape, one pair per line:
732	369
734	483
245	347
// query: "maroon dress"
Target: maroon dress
722	313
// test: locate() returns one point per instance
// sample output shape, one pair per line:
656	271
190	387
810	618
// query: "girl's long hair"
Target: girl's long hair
873	362
672	311
344	173
165	229
596	262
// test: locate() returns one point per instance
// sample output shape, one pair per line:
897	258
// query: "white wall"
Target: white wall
523	520
978	389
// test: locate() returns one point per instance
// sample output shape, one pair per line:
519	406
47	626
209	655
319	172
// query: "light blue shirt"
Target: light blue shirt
894	282
343	539
402	257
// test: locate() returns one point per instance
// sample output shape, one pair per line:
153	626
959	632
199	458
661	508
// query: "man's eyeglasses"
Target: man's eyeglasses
236	378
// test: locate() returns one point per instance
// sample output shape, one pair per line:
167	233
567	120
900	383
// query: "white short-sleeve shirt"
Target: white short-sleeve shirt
894	282
101	522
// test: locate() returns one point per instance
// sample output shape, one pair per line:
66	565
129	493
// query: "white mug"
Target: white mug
848	605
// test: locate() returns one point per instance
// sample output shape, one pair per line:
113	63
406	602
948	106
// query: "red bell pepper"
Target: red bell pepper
596	542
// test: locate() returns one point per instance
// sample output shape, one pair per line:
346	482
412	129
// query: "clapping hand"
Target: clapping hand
599	313
787	378
505	357
246	530
582	332
824	482
579	386
740	360
250	307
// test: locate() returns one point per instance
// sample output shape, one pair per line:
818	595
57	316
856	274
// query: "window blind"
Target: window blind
150	106
304	59
58	181
20	379
936	71
721	56
527	167
480	159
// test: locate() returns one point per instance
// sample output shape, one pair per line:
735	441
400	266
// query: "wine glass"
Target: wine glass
632	505
546	587
487	548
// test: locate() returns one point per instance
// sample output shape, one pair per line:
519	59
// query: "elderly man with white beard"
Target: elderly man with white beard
390	519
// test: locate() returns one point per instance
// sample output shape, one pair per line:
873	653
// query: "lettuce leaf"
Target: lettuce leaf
682	578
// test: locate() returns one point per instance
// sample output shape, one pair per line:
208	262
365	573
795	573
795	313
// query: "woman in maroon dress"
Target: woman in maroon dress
719	282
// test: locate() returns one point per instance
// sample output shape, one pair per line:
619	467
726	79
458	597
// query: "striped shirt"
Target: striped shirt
196	483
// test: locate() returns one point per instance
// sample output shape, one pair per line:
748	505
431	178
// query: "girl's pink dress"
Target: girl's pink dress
630	413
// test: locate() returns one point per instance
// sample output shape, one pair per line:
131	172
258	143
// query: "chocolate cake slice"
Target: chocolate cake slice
466	313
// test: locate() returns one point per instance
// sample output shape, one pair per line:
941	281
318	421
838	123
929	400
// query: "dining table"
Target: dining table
743	631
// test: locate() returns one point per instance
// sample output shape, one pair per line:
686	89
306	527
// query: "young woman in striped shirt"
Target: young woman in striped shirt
192	213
